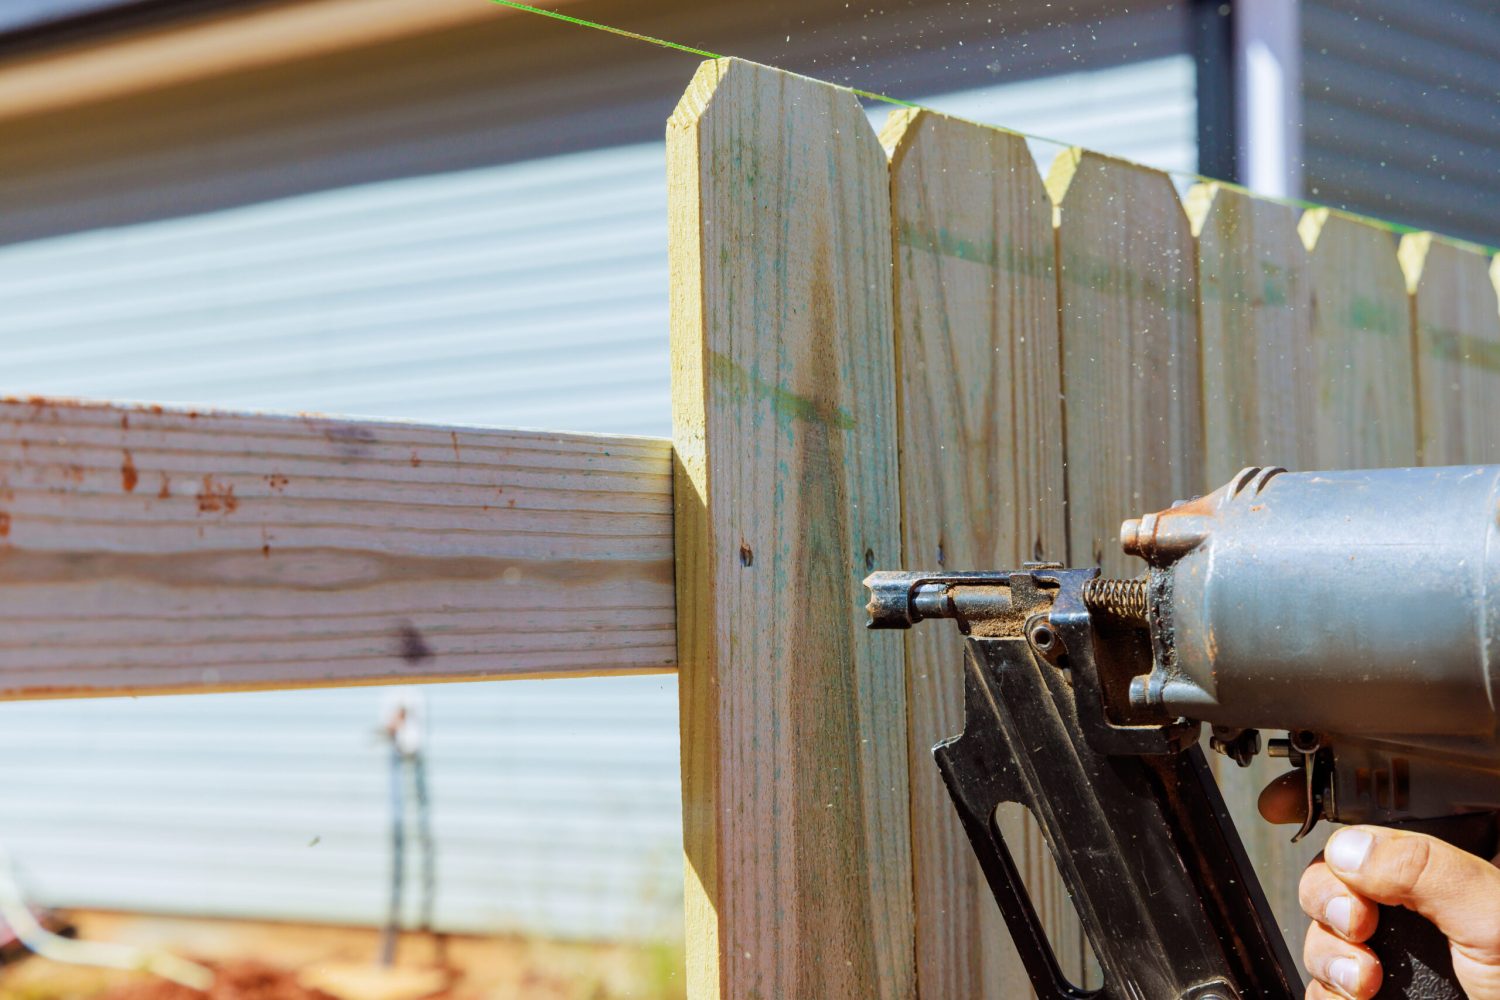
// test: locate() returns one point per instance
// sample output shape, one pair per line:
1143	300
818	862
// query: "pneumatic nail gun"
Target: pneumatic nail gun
1357	613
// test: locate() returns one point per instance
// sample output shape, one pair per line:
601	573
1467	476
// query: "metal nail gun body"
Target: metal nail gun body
1357	611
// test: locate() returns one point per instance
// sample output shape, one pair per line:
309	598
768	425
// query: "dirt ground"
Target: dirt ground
261	961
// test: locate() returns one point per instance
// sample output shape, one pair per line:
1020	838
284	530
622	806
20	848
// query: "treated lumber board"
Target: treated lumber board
981	487
1255	320
145	550
1457	326
1259	401
1362	345
1128	314
795	811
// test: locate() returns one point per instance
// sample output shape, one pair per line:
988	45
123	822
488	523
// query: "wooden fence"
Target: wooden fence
904	349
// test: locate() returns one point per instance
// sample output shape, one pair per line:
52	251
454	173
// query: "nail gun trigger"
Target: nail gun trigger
1318	768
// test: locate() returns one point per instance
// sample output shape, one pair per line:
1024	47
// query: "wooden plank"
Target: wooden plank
981	487
1259	402
149	550
1457	325
1127	317
795	814
1128	310
1362	345
1255	318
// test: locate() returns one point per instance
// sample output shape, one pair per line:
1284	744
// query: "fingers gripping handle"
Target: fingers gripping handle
1414	955
1415	958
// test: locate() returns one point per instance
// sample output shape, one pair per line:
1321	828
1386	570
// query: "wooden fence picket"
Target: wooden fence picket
1258	402
1362	345
1256	296
981	482
1457	327
796	815
1128	303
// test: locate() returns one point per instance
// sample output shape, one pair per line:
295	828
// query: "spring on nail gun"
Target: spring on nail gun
1121	598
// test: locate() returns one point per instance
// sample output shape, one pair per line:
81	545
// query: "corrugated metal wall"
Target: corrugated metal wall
1401	116
271	242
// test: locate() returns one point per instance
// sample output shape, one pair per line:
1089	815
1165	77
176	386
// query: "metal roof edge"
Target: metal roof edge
161	43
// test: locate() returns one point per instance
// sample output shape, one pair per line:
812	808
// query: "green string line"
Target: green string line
1388	226
664	43
585	23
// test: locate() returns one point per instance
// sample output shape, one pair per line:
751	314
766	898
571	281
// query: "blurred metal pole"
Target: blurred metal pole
418	764
1268	92
1211	34
398	858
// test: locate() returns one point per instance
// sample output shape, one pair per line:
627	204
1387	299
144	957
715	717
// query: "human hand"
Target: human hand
1363	866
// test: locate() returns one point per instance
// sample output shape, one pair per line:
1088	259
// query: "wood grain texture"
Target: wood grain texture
1255	320
1457	325
981	485
144	550
796	826
1128	309
1259	402
1362	345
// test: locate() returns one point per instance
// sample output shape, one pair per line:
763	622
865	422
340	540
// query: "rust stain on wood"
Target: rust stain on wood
216	497
277	481
128	476
4	524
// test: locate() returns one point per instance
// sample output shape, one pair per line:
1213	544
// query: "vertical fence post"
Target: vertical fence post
796	824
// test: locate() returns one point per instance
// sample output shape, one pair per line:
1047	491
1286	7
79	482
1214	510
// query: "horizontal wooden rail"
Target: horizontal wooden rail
150	550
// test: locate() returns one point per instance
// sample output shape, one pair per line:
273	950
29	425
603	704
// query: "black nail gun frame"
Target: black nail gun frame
1357	611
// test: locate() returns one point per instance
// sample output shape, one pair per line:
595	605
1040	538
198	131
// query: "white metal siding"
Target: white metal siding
529	294
1146	112
526	291
1401	116
555	804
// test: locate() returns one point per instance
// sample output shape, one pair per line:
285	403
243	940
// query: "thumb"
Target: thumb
1454	889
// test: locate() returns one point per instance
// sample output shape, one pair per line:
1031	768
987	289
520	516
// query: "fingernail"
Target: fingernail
1347	850
1344	973
1337	913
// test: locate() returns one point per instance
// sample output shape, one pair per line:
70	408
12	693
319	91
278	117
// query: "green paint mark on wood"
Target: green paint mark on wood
787	405
946	243
1462	348
1374	316
1112	277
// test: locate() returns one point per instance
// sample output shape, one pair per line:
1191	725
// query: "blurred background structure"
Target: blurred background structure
450	211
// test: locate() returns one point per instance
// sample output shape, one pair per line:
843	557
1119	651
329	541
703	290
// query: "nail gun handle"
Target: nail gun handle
1414	954
1161	887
